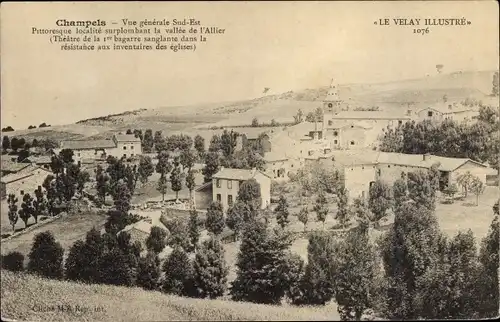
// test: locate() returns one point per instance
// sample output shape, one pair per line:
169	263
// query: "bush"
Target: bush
178	271
210	269
46	256
13	261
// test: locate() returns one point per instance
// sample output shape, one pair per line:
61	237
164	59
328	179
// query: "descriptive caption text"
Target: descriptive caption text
422	26
174	35
68	308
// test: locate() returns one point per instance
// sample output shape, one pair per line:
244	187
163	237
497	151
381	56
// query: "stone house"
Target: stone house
121	145
225	185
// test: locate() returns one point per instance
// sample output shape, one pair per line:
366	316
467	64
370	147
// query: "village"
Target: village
342	140
305	172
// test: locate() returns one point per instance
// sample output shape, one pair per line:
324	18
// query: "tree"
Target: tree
117	220
122	198
400	192
138	134
8	129
39	204
160	142
102	180
118	264
261	265
215	218
298	118
317	285
282	212
46	256
129	131
56	165
477	188
321	208
194	230
450	191
156	240
211	165
5	143
190	182
356	275
188	158
27	209
163	166
176	181
488	257
145	169
148	142
13	261
380	200
420	189
179	234
303	216
342	214
178	272
13	215
210	269
82	178
44	125
148	274
465	180
162	186
255	122
409	251
237	215
199	145
495	87
249	193
84	258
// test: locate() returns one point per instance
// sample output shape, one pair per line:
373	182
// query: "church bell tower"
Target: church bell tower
331	104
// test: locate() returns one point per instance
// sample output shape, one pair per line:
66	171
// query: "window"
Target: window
429	114
335	133
335	141
352	126
388	165
124	147
330	122
131	147
124	155
400	122
230	200
330	105
217	183
379	172
78	154
219	197
352	142
229	185
22	192
132	155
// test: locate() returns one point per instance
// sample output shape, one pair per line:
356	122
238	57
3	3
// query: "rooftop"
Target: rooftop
126	138
87	144
370	115
347	158
252	133
236	174
13	166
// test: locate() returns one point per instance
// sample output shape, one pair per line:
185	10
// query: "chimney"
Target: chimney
425	157
450	106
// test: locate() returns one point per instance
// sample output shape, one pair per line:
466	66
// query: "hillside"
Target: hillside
388	96
30	298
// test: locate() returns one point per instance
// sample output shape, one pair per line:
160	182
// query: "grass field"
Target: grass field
66	230
30	298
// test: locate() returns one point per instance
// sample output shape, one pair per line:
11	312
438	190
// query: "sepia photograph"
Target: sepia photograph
249	160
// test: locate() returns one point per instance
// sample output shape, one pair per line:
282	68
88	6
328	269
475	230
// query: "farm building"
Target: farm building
447	111
26	181
121	145
360	170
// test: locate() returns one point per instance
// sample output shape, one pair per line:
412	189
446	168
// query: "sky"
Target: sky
281	45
